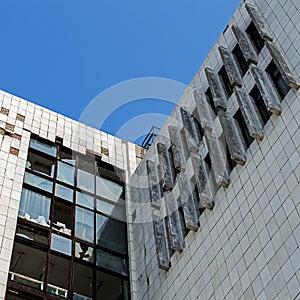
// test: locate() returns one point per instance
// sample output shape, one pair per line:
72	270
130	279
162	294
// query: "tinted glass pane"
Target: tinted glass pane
110	234
28	264
64	192
61	216
43	147
34	207
114	211
67	156
84	224
83	280
38	182
32	234
84	252
58	278
40	164
65	173
109	287
111	262
108	189
85	200
85	181
61	244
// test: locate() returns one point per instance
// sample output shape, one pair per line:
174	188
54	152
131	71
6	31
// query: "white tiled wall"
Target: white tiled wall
48	125
247	247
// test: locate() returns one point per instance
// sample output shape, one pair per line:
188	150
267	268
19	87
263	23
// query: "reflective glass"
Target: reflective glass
32	234
38	182
30	263
85	200
84	224
111	262
61	216
115	211
43	147
109	287
65	173
61	244
85	181
84	252
66	155
34	207
83	280
110	234
40	164
108	189
64	192
58	276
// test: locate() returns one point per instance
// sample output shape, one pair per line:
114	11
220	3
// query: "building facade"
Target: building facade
216	198
210	212
63	231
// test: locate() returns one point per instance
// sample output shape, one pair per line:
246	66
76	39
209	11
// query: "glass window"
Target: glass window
34	207
85	200
263	112
84	224
109	287
114	211
255	37
61	216
38	182
64	192
61	244
84	252
225	81
85	181
240	59
65	173
110	234
66	155
58	278
210	100
40	164
28	265
280	85
108	189
243	127
32	234
42	146
111	262
83	282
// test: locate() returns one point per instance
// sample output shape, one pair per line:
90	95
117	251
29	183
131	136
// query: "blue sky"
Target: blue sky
62	53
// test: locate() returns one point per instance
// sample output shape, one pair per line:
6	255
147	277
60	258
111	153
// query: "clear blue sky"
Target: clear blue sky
62	53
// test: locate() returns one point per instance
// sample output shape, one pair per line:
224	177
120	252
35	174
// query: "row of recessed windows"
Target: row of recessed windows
264	115
71	240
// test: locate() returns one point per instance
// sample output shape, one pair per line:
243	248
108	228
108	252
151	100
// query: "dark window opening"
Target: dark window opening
263	112
196	197
37	163
184	144
240	59
281	87
32	234
184	230
83	281
230	161
210	100
255	37
62	215
225	81
243	128
28	265
199	129
108	287
172	165
211	172
58	276
20	295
